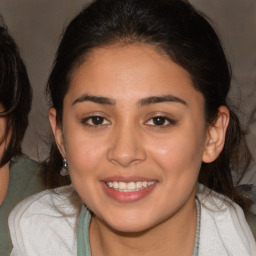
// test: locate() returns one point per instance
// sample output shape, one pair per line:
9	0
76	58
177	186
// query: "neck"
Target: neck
174	236
4	181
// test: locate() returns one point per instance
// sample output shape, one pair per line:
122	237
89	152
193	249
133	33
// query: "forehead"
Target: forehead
138	70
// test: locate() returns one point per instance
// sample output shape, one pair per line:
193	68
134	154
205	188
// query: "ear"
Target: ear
57	131
216	136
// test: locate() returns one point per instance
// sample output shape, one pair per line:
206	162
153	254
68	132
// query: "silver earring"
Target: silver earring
64	169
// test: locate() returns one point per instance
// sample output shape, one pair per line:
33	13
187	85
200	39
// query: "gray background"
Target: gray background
37	25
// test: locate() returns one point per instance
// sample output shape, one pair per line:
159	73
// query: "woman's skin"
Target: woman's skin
131	115
4	170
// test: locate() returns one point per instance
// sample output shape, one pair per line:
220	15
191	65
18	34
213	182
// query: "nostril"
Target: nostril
123	159
126	156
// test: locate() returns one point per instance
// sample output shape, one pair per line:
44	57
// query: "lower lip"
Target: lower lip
127	196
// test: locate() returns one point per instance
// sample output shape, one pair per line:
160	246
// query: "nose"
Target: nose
126	147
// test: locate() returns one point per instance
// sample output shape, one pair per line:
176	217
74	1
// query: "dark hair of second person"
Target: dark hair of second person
15	95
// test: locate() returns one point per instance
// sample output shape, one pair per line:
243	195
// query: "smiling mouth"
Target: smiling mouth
129	186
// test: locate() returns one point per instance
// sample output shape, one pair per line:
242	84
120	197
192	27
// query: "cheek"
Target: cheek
179	154
2	127
84	153
3	142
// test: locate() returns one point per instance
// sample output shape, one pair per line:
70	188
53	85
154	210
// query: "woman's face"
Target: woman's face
4	170
3	142
134	135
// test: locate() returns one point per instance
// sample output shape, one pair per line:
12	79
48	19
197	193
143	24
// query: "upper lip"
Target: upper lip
127	179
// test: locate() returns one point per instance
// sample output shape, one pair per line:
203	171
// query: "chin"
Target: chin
128	224
128	228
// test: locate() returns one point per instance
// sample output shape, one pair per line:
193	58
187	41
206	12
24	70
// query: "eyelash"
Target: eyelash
88	121
165	122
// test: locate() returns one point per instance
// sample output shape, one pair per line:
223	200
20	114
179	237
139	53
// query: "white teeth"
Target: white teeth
139	184
129	186
115	184
121	185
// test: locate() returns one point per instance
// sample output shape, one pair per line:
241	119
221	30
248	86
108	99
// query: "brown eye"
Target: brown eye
95	121
159	120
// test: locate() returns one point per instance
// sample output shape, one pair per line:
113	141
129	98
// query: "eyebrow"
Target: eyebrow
95	99
160	99
143	102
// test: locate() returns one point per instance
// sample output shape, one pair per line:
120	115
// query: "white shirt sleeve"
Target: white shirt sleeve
224	230
43	225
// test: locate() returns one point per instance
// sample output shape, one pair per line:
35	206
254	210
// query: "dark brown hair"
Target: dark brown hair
177	29
15	95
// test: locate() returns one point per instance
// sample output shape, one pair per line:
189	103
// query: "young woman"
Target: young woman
141	120
18	174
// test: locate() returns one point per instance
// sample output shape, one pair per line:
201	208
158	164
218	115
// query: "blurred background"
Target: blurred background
37	25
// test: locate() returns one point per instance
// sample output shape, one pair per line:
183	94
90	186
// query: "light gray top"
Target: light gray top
24	181
46	224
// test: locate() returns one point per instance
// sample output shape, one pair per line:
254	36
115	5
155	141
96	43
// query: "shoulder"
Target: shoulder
44	224
224	230
25	163
24	179
25	169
